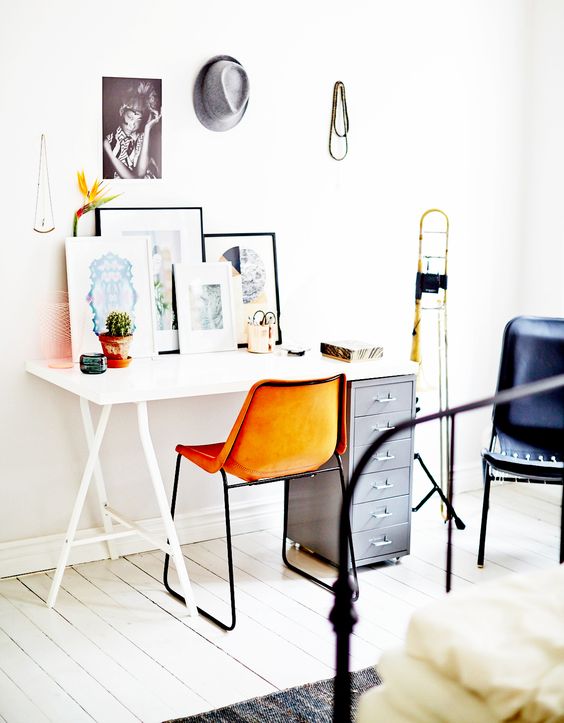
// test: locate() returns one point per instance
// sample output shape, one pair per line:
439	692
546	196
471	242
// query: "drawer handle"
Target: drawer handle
380	543
384	457
385	486
377	428
382	400
380	515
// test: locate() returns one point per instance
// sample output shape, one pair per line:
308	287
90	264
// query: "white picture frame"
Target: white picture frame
107	273
176	236
204	298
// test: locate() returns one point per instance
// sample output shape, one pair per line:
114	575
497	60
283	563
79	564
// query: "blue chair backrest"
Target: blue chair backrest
533	349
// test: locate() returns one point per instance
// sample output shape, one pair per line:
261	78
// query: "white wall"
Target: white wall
543	261
437	94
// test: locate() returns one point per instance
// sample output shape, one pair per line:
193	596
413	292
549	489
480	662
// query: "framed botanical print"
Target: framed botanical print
110	273
205	307
176	236
255	275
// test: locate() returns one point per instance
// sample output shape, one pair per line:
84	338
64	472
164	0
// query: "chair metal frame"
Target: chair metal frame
286	479
343	615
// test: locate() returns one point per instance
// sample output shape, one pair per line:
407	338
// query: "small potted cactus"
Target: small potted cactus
117	338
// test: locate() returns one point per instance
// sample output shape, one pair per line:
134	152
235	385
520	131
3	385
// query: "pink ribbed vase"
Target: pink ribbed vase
54	330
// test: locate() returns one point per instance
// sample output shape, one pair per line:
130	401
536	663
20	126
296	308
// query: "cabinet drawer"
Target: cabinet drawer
385	543
380	513
381	485
367	428
393	454
383	398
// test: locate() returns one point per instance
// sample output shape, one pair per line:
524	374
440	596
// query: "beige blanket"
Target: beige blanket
494	653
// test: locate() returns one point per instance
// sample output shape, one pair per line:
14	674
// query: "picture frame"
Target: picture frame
176	235
106	273
255	275
205	307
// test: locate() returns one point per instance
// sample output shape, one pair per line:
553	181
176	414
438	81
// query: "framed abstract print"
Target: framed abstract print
176	236
205	307
255	275
106	274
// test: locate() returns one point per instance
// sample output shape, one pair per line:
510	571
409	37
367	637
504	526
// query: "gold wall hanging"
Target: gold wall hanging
339	111
44	221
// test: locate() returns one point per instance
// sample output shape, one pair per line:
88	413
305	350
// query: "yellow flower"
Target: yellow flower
82	183
92	198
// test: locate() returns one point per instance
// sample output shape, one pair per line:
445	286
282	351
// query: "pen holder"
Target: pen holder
260	338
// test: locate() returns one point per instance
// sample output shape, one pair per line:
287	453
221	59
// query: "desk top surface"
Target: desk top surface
173	376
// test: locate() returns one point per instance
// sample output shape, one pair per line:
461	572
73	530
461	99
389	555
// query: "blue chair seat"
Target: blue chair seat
526	468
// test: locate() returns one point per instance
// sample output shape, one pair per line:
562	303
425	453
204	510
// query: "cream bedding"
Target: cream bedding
494	653
416	693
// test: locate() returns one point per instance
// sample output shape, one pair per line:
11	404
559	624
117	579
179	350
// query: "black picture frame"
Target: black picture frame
255	275
180	229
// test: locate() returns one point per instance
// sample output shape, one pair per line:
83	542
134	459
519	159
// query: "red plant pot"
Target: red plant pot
116	349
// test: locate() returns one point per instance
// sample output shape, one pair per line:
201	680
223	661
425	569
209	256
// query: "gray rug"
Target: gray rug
311	703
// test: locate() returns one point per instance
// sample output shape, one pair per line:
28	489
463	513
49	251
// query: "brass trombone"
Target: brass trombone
431	295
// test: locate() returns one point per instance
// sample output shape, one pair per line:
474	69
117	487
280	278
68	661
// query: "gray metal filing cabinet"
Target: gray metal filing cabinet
381	510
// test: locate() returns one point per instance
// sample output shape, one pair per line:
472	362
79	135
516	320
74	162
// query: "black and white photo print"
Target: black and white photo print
132	128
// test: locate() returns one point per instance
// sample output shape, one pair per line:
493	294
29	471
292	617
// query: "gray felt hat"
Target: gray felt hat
221	93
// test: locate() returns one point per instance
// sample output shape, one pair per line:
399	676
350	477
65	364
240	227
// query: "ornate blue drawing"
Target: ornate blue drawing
111	287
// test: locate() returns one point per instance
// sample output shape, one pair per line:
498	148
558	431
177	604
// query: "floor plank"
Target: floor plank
180	650
373	628
15	705
27	673
147	672
311	629
253	598
292	596
92	697
254	645
103	668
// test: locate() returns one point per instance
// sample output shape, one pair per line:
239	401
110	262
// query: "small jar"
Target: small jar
94	363
260	338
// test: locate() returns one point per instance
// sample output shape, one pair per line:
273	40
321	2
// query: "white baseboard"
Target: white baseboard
21	557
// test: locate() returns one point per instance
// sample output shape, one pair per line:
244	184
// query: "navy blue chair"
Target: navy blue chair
527	443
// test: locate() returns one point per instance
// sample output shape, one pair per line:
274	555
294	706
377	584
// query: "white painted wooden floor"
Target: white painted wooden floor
118	648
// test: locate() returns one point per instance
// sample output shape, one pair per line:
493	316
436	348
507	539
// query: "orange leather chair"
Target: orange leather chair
285	430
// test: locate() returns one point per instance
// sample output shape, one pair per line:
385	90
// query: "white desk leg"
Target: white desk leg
79	503
98	477
158	486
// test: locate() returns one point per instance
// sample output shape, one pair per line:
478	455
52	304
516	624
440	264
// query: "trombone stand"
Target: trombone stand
451	512
431	280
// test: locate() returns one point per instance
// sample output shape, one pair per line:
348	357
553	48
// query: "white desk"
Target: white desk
173	377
